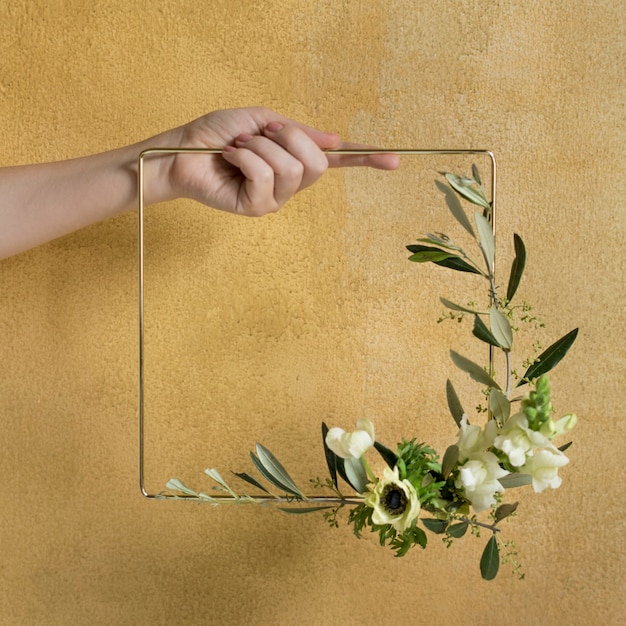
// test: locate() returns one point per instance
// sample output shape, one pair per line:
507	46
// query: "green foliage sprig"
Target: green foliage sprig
417	491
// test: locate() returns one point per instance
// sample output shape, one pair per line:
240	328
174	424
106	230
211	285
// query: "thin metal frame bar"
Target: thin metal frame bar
165	151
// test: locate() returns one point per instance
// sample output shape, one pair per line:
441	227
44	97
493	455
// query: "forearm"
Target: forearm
41	202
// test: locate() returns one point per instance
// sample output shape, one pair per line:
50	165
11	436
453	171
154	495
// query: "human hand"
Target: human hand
265	160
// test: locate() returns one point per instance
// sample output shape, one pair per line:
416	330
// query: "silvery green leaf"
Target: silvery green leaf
466	187
450	458
356	474
475	174
456	307
481	331
499	405
452	261
454	404
455	207
304	510
510	481
500	328
517	269
276	470
216	476
487	243
490	560
476	372
174	483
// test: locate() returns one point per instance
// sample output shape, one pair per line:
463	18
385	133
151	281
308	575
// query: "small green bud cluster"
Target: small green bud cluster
536	405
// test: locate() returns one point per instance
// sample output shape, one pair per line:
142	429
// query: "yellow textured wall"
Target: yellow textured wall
261	329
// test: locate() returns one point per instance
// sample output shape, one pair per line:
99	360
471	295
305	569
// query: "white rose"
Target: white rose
354	444
517	440
478	477
543	466
394	501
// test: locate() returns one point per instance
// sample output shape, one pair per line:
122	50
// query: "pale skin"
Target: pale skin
265	160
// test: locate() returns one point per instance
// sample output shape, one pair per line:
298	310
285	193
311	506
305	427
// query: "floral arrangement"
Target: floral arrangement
465	488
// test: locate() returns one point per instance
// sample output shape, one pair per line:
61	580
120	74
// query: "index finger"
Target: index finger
359	155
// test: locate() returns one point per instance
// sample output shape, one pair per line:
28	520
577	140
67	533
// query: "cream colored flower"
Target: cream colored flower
354	444
394	501
473	439
478	477
517	440
553	429
543	466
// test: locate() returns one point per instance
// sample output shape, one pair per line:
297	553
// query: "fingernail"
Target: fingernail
274	127
243	138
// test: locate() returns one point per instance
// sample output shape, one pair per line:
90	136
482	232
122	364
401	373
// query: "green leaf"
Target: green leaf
454	404
450	458
331	457
390	457
499	405
452	261
428	256
217	477
475	174
476	372
490	560
503	511
251	480
456	307
550	357
455	207
465	187
356	475
437	526
487	242
302	510
174	483
511	481
273	471
517	268
500	328
565	446
481	331
458	530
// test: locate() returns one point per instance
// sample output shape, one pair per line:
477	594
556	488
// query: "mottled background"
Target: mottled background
258	330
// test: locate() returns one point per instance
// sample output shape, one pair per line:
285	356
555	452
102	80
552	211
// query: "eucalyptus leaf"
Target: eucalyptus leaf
458	530
455	207
490	560
481	331
454	404
476	372
450	458
437	526
272	465
356	474
390	457
517	268
331	457
250	479
499	405
511	481
466	188
487	243
500	328
504	510
550	357
456	307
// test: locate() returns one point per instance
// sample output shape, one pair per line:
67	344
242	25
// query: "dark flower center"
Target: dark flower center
394	500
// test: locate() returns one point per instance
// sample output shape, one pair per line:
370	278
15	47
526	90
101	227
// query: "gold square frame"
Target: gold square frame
156	151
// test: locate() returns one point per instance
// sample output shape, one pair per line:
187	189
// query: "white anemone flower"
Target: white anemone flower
394	501
478	477
351	444
543	466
